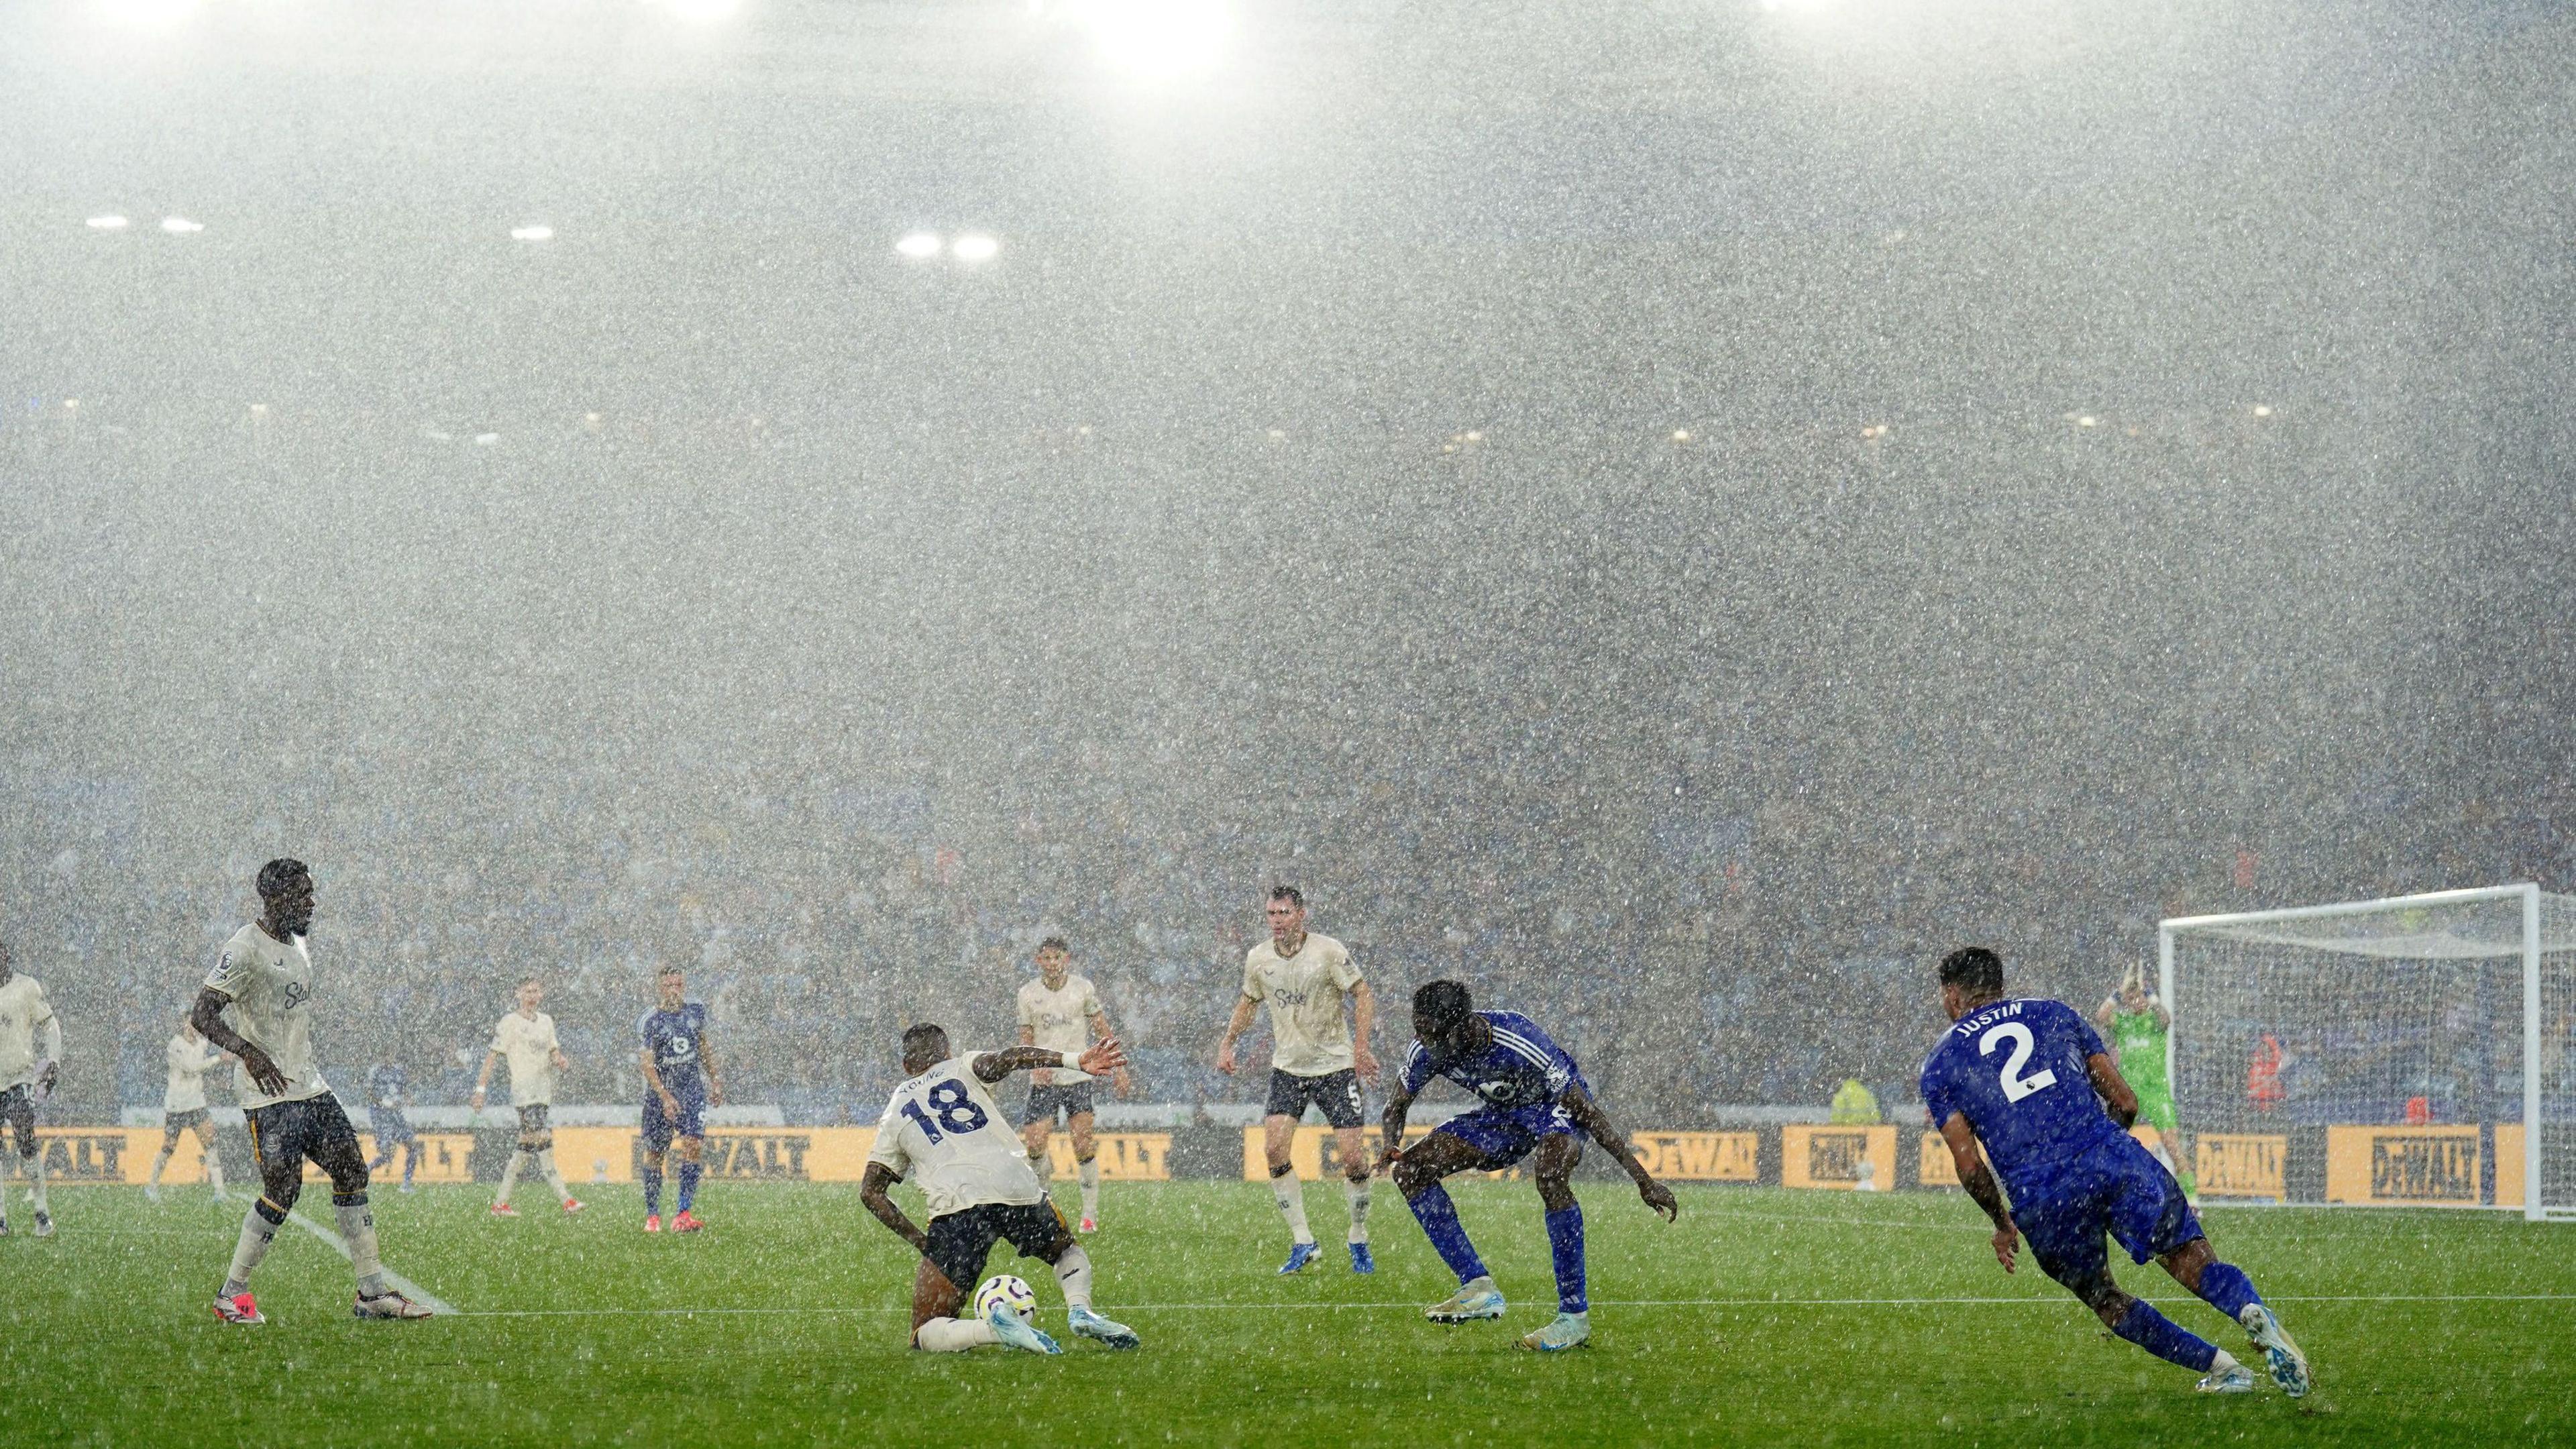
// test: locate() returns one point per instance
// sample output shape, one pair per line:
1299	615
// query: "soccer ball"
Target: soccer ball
1007	1291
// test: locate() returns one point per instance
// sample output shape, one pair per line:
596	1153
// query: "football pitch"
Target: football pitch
1763	1316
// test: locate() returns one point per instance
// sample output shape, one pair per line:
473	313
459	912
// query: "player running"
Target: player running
257	1005
944	1125
1061	1012
1315	1056
525	1038
2028	1078
680	1083
1535	1098
388	1094
183	1107
2140	1027
27	1077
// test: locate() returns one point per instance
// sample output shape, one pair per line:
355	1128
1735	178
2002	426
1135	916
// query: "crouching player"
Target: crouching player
943	1126
1535	1098
2029	1078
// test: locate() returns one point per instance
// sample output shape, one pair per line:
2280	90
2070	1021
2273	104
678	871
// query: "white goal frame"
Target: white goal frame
2534	1209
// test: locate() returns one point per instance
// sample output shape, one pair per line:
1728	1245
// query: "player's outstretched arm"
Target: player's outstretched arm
1588	1115
872	1191
1103	1058
1390	1129
2117	1096
1979	1180
1120	1082
208	1014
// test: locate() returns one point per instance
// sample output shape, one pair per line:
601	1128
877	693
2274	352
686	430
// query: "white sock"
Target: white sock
160	1160
1073	1275
1357	1191
256	1234
1292	1205
215	1170
36	1178
2223	1362
1089	1172
510	1176
358	1226
554	1179
953	1335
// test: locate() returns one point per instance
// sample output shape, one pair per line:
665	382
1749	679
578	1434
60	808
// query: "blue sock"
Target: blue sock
688	1184
1565	1241
652	1191
1439	1219
411	1159
2225	1287
2161	1336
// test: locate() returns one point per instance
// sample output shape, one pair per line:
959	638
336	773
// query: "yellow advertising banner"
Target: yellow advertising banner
2240	1164
1815	1155
444	1157
1123	1156
1697	1156
1316	1152
2508	1150
2405	1166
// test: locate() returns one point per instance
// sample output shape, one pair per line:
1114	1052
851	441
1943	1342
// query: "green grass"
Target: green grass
798	1330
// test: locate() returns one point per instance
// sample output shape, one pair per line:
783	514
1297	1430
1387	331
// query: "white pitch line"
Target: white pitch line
393	1280
839	1309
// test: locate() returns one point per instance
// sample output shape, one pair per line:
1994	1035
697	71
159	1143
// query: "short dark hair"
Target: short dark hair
1290	894
280	873
1055	943
528	981
1974	968
918	1036
1443	1004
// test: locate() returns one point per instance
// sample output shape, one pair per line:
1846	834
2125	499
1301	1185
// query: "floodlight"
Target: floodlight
921	246
107	223
976	247
180	225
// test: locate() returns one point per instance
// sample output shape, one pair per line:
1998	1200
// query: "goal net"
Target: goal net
2416	1051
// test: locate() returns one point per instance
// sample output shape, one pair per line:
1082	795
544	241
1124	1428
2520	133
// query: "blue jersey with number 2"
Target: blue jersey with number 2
2015	1069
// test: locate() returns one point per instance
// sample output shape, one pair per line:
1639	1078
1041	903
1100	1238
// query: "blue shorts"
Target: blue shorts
660	1129
390	1125
2118	1187
1505	1135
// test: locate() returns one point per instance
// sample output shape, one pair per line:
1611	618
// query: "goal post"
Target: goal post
2418	1050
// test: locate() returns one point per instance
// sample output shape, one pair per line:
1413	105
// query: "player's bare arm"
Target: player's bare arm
872	1191
483	1078
1120	1082
1235	1026
1980	1182
653	1083
1588	1115
707	1054
2117	1096
1103	1058
1363	1018
1390	1129
208	1017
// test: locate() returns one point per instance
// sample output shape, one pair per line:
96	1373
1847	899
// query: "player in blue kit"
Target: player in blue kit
680	1083
2029	1078
1535	1100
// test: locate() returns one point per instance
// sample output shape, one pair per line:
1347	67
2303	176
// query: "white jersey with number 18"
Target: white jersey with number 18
944	1131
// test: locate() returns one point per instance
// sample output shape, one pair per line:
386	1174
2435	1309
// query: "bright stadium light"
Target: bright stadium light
180	225
921	246
1160	38
976	248
107	223
532	233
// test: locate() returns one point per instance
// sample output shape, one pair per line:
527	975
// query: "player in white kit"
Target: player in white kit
526	1040
257	1005
183	1106
27	1076
943	1128
1061	1012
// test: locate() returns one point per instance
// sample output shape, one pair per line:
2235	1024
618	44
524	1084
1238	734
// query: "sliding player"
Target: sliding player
2029	1079
264	984
1061	1012
27	1076
1315	1056
183	1107
944	1126
525	1038
1535	1098
680	1083
2140	1027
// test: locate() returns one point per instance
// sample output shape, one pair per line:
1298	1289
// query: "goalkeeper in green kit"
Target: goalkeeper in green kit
2138	1026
